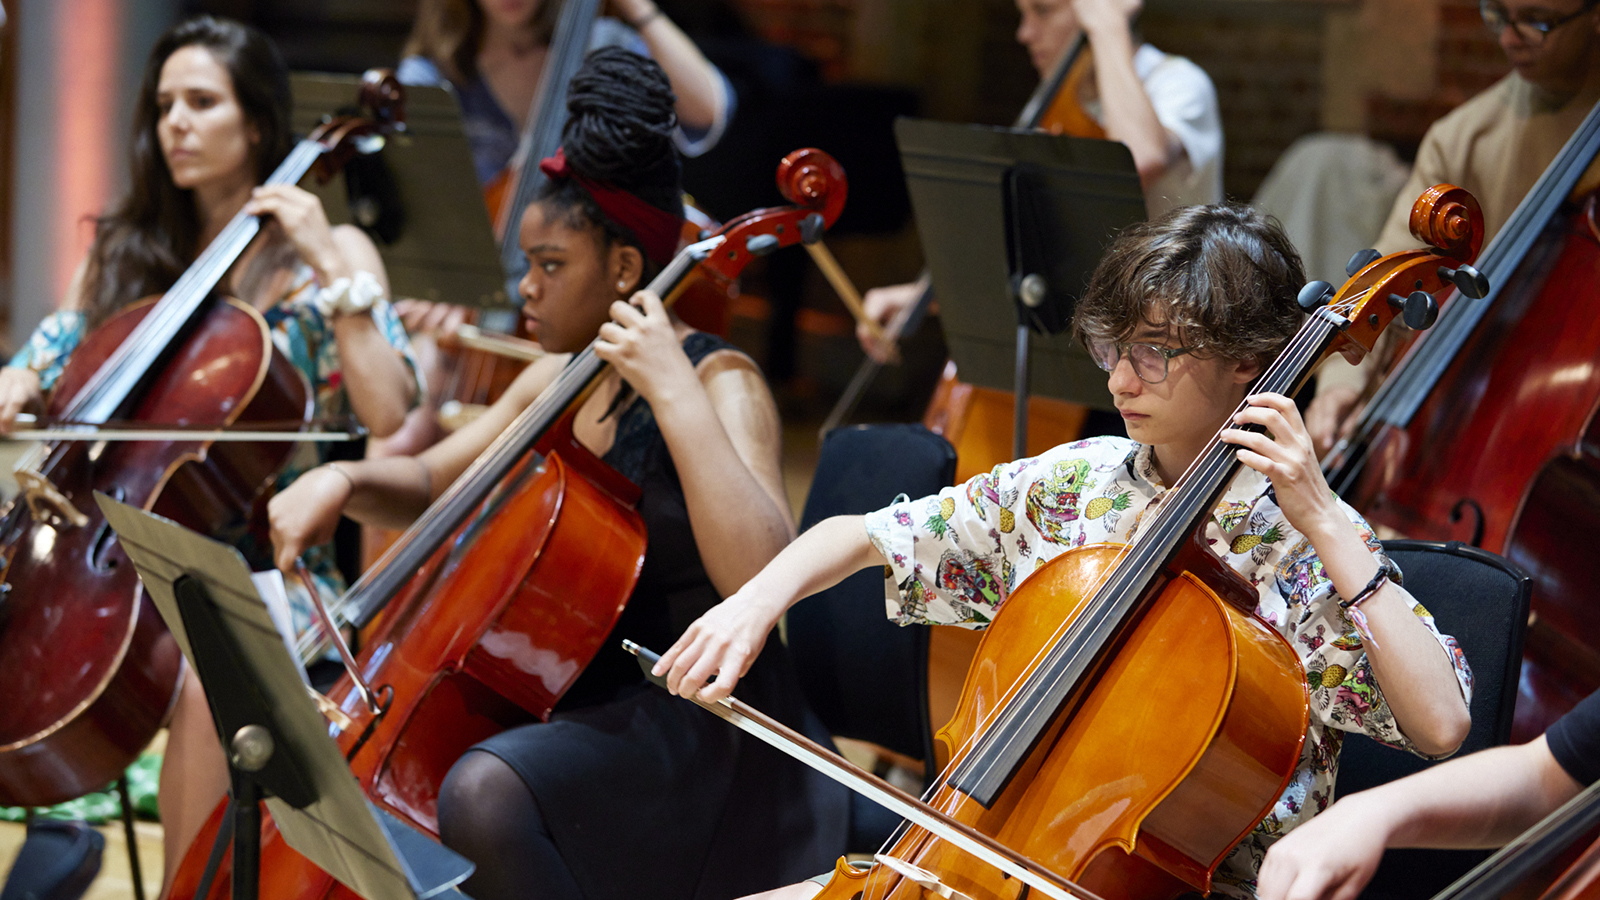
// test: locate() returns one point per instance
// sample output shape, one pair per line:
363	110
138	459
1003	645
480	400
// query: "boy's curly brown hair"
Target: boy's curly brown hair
1222	279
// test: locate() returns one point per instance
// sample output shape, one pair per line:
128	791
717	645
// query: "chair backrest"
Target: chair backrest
866	677
1481	600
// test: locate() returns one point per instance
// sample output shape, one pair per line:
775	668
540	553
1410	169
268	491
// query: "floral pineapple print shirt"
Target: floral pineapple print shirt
955	557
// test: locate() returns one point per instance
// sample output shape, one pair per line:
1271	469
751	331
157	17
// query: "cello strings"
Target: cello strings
114	380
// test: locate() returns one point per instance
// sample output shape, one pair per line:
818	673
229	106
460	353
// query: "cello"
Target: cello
94	669
1486	433
500	595
1074	745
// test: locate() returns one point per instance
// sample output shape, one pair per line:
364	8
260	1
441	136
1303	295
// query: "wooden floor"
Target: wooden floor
114	881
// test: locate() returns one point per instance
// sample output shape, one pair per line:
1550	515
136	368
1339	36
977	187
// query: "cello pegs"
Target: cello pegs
1314	294
1421	310
1469	281
811	228
1361	260
761	244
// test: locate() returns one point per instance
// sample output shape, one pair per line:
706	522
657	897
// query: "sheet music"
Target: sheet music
339	830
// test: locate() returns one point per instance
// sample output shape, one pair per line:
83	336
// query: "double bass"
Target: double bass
1074	748
1486	430
91	669
497	598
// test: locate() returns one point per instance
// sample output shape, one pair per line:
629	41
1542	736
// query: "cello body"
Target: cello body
1496	456
1137	789
488	635
77	638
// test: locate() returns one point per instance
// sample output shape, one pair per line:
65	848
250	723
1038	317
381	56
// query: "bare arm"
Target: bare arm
1481	800
1415	672
380	386
375	376
702	100
722	429
725	641
392	491
1128	114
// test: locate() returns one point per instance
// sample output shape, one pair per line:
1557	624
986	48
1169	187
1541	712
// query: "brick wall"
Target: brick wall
1265	59
1466	59
820	29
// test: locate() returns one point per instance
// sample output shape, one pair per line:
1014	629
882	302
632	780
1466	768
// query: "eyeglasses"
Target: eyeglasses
1531	30
1149	360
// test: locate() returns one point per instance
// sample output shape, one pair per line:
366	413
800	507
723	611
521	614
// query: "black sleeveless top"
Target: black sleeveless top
704	811
673	588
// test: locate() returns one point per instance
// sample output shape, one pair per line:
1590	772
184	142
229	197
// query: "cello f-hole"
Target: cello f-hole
1466	503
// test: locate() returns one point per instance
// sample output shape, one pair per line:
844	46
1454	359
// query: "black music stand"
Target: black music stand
276	740
419	197
1013	223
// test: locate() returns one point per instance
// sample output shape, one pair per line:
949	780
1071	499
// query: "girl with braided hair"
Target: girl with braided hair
625	788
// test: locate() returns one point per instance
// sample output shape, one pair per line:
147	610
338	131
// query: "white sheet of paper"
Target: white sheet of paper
276	596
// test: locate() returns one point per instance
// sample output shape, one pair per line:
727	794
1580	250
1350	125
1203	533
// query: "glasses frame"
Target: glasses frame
1497	20
1125	350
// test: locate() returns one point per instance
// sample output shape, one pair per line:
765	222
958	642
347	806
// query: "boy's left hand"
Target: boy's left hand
1286	456
640	341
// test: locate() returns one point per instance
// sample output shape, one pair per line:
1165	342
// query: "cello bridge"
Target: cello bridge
45	502
920	877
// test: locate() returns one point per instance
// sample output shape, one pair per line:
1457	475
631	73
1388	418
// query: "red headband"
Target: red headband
658	230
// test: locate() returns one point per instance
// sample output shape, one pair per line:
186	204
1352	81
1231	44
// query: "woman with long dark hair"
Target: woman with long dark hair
212	122
624	789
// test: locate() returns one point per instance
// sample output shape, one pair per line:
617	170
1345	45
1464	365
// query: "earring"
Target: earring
622	285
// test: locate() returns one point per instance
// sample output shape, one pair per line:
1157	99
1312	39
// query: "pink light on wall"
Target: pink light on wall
86	66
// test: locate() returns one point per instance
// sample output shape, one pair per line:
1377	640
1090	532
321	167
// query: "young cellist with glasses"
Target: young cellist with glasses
1183	313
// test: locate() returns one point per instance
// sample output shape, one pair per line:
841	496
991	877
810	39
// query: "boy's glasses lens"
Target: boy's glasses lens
1148	362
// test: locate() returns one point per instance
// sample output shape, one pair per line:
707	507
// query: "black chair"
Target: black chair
866	677
1482	601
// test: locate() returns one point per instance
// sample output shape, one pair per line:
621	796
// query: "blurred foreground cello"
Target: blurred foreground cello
499	596
1486	431
90	670
1074	746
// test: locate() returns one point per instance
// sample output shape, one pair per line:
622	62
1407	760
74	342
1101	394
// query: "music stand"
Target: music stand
419	196
277	742
1013	223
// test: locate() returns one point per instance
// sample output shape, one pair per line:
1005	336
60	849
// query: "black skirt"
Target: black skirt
648	794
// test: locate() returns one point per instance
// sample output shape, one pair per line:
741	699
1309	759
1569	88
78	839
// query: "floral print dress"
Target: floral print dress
954	557
303	335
